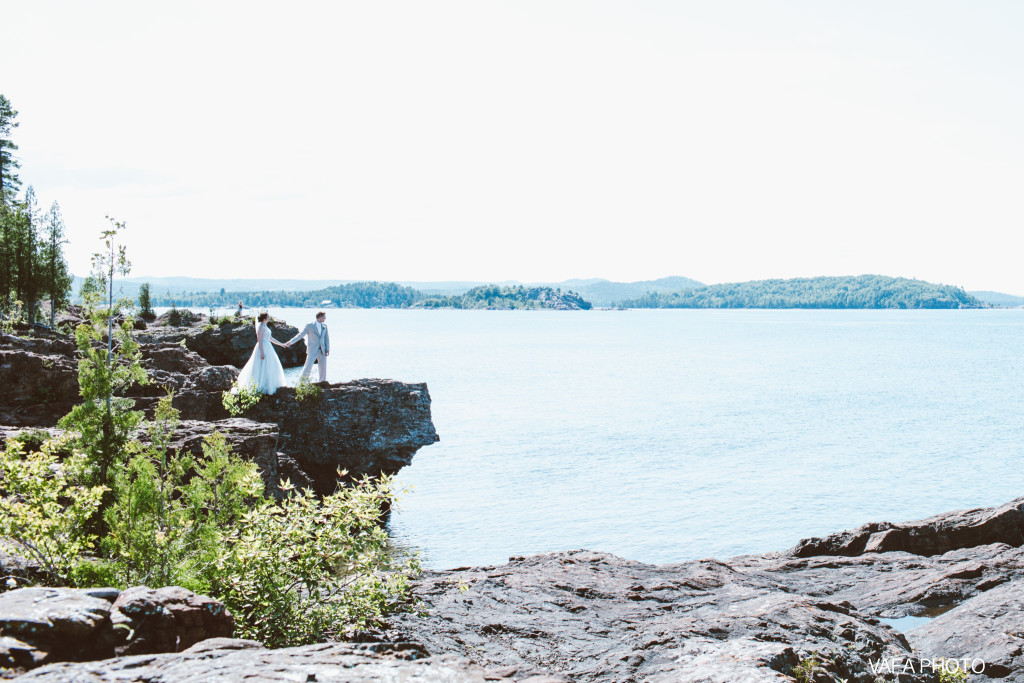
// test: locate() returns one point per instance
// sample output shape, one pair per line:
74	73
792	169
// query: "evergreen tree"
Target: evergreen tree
9	184
9	165
8	237
26	254
58	280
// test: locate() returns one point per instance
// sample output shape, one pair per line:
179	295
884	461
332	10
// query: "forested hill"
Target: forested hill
862	291
382	295
516	297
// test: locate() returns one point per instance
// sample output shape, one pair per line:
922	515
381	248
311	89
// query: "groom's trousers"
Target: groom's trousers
320	358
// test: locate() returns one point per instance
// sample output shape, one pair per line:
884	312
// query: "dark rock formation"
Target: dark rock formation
167	619
39	379
932	536
366	427
987	631
234	661
229	343
44	625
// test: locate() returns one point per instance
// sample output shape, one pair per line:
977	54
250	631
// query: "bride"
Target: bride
264	369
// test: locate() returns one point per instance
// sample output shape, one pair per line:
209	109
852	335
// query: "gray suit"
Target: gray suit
317	348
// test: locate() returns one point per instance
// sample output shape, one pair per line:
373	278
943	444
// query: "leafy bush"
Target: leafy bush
306	390
240	399
14	316
43	511
306	570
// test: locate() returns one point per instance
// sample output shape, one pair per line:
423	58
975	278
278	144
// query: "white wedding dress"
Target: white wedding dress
266	373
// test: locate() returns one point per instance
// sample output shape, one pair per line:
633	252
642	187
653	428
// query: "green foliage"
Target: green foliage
169	508
307	391
356	295
951	672
805	670
13	316
864	291
106	419
305	570
44	511
240	399
147	520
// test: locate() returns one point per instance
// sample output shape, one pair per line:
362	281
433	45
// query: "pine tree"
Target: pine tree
58	279
27	256
9	184
9	165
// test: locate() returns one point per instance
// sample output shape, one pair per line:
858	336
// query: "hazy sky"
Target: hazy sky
533	140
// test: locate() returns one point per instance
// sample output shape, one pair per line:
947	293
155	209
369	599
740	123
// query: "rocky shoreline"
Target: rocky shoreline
589	616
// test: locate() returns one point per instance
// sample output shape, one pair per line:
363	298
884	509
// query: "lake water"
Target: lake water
668	435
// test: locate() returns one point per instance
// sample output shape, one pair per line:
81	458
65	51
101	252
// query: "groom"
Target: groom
318	346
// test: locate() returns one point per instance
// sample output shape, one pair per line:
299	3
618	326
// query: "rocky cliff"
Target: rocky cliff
366	427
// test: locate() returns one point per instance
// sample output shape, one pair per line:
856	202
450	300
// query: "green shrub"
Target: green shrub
306	570
15	316
169	508
238	400
951	672
44	511
306	390
174	317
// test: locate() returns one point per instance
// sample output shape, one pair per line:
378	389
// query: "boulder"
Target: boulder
931	536
234	661
987	631
229	343
167	619
894	584
54	624
44	625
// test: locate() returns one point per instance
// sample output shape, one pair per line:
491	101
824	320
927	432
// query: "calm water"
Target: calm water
671	435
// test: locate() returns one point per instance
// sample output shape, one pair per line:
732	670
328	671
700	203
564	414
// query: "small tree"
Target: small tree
146	311
106	418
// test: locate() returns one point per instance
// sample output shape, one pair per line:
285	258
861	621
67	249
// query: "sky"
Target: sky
532	140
